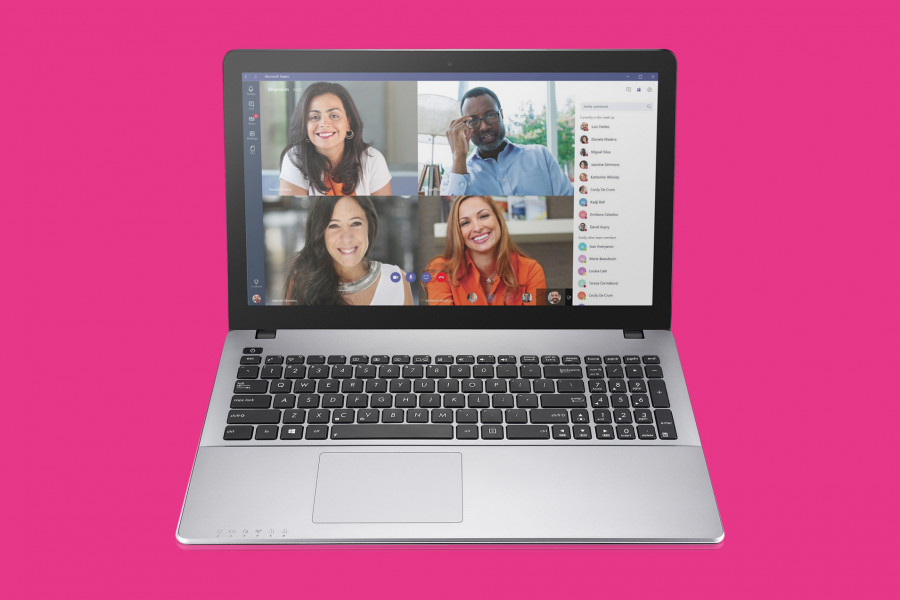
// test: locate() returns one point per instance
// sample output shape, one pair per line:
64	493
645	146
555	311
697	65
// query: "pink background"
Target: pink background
785	294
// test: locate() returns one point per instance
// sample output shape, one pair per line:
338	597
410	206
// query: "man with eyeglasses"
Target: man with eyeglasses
497	167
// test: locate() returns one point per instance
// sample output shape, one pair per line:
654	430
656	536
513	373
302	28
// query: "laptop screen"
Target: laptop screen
449	189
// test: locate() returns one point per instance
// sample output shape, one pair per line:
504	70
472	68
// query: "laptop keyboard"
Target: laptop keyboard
464	397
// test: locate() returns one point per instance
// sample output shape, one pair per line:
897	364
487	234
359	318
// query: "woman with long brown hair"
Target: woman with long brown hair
327	155
481	265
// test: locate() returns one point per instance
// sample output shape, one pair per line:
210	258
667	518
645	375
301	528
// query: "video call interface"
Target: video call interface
501	189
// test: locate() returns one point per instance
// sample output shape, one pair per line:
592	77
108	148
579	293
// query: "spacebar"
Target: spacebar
392	432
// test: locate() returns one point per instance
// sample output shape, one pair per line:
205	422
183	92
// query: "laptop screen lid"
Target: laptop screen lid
561	218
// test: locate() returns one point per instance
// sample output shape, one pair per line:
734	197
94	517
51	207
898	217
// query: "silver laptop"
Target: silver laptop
449	305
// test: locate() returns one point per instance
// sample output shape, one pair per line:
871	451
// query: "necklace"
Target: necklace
363	282
490	278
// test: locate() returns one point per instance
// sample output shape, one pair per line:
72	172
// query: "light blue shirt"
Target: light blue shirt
518	171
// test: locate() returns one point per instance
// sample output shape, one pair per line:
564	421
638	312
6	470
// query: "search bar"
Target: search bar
604	106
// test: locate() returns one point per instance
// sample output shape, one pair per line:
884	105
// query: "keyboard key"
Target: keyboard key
295	359
251	360
622	415
443	359
571	359
294	432
295	372
261	401
540	415
651	359
604	432
454	401
281	386
315	359
640	401
658	394
631	360
506	359
253	351
516	415
359	359
436	371
654	372
342	371
429	401
466	432
392	415
502	401
401	359
561	432
307	401
529	359
634	371
541	386
619	401
527	432
253	416
581	432
357	400
381	359
466	415
570	385
617	385
317	432
579	416
267	432
486	359
336	359
417	415
563	372
593	359
257	386
646	432
615	371
491	415
643	415
441	415
272	372
294	416
421	359
412	372
599	401
392	432
318	416
526	401
483	371
637	386
343	415
465	359
405	401
563	401
274	359
367	415
602	415
666	424
491	432
284	401
625	432
550	359
612	360
239	432
597	386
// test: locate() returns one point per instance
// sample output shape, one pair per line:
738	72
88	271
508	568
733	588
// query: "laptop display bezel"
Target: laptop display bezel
242	315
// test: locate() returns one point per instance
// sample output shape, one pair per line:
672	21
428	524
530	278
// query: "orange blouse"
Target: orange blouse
443	293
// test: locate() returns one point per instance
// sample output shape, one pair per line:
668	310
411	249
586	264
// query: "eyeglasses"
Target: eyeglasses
489	118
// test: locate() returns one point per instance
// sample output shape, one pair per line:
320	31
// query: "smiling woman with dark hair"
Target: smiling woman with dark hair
327	155
334	267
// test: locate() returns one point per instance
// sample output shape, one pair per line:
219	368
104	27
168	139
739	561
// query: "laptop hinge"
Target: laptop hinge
265	334
633	334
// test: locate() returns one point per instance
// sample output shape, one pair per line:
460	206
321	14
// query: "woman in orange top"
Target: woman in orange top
481	265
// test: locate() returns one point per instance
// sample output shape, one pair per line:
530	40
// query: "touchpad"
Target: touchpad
389	487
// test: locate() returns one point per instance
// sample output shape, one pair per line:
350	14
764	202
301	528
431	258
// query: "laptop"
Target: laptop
449	304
